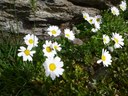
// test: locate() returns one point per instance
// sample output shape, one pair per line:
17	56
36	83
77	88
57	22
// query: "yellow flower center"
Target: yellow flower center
53	32
105	40
103	58
31	41
27	52
114	12
98	19
67	35
52	66
85	17
90	20
55	47
48	49
116	40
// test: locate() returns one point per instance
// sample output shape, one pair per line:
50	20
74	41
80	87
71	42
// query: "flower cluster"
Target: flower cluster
95	21
106	57
53	64
55	31
27	53
50	49
117	38
122	6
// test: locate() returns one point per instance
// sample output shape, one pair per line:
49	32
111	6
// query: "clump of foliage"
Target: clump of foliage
82	75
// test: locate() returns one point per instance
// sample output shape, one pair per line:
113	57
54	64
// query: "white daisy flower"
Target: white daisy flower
115	10
118	40
26	53
54	31
91	20
69	34
85	16
31	40
123	5
106	39
105	58
53	67
94	30
56	46
97	25
48	49
98	19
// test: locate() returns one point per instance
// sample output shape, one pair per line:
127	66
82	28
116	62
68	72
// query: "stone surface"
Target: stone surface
18	15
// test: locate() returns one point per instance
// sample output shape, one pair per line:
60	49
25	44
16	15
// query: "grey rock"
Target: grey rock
20	16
